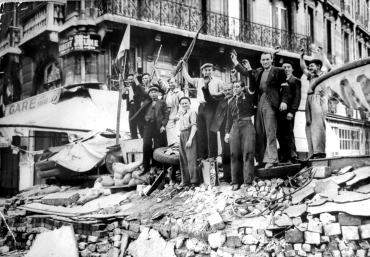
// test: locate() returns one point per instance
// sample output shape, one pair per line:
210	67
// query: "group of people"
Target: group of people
271	94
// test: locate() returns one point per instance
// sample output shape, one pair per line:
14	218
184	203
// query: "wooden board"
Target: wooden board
305	192
295	210
341	178
278	171
361	174
363	189
360	208
349	196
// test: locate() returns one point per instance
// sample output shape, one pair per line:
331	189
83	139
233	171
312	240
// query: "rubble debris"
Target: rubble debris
150	243
60	242
361	174
295	210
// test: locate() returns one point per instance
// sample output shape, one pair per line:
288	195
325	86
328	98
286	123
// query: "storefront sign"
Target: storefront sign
79	42
33	102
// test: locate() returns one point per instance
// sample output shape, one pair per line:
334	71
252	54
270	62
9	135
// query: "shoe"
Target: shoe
318	156
227	180
269	165
235	187
172	183
294	160
182	184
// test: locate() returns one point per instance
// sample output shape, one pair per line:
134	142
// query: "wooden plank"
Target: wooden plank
363	189
295	210
349	196
305	192
361	174
360	208
340	179
278	171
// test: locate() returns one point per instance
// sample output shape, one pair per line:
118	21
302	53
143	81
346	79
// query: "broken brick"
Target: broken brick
294	236
350	233
312	237
365	231
332	229
345	219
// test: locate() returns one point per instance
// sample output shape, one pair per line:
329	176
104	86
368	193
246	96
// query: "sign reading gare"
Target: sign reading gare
79	42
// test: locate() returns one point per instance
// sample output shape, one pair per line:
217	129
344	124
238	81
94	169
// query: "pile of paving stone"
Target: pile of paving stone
319	212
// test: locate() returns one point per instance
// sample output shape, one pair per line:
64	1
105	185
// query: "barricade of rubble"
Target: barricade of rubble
318	212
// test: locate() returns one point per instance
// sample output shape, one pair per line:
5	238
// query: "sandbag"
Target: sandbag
118	182
118	175
146	177
88	198
127	179
125	168
135	182
107	181
50	190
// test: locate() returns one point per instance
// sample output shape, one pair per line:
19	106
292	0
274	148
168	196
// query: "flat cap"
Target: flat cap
206	65
288	62
153	88
316	61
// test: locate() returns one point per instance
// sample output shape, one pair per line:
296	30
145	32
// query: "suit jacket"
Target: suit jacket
295	90
275	92
137	99
161	113
219	120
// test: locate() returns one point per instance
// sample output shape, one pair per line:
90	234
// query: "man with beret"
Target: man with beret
316	107
206	139
154	114
273	95
285	132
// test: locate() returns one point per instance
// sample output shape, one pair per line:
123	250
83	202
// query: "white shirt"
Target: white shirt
215	86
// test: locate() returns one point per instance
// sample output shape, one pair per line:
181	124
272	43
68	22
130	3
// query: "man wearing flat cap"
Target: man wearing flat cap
316	106
206	139
154	115
285	132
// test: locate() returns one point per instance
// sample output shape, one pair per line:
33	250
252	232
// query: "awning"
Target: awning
96	110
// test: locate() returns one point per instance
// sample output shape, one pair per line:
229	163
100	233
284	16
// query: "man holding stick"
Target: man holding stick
206	139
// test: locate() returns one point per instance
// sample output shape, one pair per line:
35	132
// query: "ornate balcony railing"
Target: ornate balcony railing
180	16
9	41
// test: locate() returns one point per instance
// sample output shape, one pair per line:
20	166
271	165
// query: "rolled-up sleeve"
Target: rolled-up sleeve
193	119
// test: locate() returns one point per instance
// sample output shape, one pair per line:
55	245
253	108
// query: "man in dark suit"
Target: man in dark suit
285	133
219	123
154	114
273	95
133	101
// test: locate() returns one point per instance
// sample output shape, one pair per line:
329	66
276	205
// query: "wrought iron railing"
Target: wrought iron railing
180	16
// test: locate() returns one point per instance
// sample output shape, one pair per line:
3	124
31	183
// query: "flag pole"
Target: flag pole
120	99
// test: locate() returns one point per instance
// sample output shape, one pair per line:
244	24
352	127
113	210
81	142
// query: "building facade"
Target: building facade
48	45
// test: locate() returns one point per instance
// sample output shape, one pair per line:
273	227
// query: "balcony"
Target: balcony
46	17
360	19
183	17
9	41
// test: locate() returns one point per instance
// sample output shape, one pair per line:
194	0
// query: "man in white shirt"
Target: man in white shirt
206	139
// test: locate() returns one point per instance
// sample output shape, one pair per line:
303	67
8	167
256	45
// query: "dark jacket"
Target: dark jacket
219	120
137	99
276	93
161	113
295	90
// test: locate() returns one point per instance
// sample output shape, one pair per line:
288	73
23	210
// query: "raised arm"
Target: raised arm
186	74
324	59
303	64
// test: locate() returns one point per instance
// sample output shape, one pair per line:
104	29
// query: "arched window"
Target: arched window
52	76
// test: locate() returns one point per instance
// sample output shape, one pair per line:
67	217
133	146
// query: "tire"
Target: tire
161	157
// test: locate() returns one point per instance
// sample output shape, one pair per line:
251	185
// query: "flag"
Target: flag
125	44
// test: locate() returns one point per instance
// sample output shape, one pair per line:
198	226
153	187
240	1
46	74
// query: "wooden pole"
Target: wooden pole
120	100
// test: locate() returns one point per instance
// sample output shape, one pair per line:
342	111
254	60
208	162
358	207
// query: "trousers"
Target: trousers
242	151
207	139
316	109
151	135
188	159
266	128
133	125
285	135
225	154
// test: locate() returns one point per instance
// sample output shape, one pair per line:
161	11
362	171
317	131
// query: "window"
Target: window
349	139
328	37
359	50
346	48
368	52
310	24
